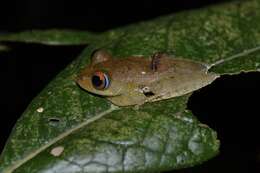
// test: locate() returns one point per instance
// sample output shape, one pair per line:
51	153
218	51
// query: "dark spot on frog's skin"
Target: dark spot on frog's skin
149	94
146	91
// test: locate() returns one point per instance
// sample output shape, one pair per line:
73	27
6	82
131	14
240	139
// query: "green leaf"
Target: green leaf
66	129
50	37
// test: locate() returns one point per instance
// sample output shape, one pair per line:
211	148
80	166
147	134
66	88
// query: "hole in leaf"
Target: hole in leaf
54	120
230	105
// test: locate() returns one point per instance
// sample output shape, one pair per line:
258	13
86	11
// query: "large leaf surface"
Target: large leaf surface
95	136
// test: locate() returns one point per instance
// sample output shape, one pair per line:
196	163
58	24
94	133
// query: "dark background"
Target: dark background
229	105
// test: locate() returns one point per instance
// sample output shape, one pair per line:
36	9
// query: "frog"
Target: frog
135	80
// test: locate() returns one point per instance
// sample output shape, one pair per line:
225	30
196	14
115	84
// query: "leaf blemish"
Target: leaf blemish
57	151
40	109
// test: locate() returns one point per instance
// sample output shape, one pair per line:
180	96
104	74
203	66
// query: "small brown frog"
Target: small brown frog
136	80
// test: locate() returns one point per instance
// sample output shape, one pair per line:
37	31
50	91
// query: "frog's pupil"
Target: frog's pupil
96	81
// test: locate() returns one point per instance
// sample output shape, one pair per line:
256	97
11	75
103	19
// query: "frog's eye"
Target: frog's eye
100	80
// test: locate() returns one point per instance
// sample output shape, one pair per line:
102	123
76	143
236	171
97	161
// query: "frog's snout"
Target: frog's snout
81	80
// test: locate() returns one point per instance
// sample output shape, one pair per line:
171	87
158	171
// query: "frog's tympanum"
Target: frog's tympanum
135	80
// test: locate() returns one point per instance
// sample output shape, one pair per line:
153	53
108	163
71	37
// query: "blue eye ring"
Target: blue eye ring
100	80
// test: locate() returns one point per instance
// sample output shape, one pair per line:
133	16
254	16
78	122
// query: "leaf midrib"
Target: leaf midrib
232	57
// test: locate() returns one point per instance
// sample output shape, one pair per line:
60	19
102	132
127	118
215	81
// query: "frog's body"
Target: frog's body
136	80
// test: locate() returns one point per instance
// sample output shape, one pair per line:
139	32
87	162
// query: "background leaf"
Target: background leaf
50	37
159	136
4	48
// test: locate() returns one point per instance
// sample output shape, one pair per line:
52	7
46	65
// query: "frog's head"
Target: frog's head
97	77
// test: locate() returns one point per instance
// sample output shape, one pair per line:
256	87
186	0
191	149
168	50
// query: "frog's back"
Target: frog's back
131	69
140	70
